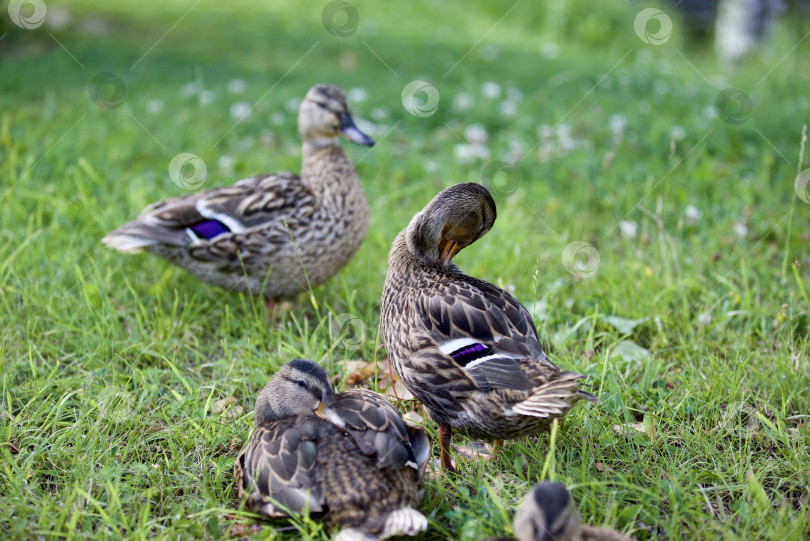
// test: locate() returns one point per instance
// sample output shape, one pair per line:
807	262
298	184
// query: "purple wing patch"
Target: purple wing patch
209	229
467	354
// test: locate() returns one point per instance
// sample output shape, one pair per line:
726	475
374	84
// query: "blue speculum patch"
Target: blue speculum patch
467	354
209	229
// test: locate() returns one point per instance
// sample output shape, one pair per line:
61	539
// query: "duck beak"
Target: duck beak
323	407
449	249
320	411
350	131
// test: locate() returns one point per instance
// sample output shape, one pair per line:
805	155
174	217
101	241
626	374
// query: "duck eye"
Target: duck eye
321	104
302	383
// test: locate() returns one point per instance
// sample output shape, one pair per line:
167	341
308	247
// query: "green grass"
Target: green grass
112	365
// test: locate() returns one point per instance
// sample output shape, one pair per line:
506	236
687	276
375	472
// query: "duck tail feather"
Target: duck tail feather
404	521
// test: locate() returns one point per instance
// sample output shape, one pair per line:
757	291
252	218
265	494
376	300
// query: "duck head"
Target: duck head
547	513
324	114
300	387
454	219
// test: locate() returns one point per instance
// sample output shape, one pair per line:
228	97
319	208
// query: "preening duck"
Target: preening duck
464	347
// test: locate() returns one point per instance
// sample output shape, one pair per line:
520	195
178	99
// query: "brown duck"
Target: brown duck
348	458
464	347
274	235
548	514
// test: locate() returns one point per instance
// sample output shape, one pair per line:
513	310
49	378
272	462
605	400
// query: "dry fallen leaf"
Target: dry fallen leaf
358	371
240	530
414	418
351	365
475	450
12	447
434	469
603	467
622	430
228	408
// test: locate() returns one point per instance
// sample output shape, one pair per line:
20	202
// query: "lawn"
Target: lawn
649	216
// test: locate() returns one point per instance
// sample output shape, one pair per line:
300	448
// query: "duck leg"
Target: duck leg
444	443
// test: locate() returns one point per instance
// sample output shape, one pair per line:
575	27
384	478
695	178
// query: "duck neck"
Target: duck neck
422	238
325	167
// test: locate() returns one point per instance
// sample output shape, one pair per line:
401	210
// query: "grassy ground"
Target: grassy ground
692	325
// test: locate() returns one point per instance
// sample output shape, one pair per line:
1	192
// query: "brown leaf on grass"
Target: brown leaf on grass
475	450
628	429
240	530
349	366
228	408
358	371
602	467
12	447
646	427
434	469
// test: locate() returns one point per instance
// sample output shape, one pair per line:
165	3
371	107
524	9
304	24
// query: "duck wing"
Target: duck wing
486	333
202	217
277	468
379	430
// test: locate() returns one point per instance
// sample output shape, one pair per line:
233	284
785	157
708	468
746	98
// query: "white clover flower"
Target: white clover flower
236	86
189	89
617	124
740	229
507	108
462	101
481	151
513	94
225	163
240	110
277	118
292	105
490	90
476	133
628	229
378	114
206	97
545	131
693	214
357	95
516	150
154	106
464	153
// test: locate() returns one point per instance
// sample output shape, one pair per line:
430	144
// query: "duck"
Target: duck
467	349
273	235
548	514
349	457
